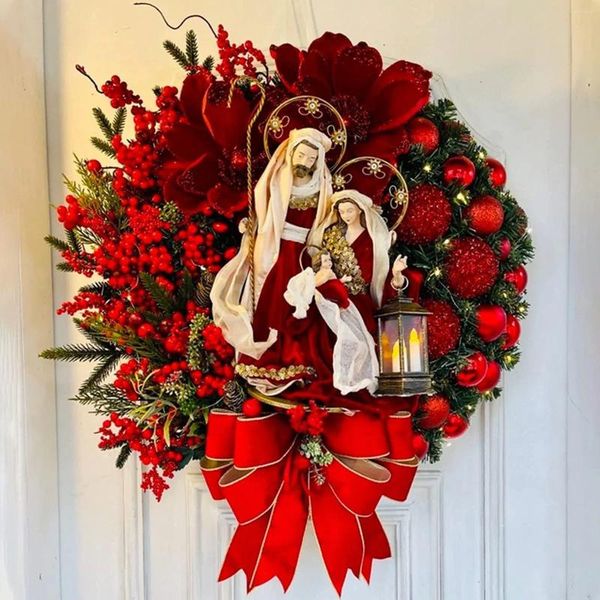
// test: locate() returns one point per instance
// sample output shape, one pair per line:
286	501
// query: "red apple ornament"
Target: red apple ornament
474	371
491	322
504	248
513	332
497	172
518	278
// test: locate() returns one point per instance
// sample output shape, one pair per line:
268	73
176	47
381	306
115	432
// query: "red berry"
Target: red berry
251	408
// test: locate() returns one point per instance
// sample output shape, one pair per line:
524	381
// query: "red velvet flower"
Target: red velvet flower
208	148
374	103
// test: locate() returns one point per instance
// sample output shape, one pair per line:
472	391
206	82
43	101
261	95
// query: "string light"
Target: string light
427	167
460	197
447	242
436	272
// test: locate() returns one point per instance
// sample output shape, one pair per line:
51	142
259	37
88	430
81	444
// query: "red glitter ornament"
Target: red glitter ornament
471	267
435	410
485	215
497	172
443	328
424	132
455	426
459	169
428	216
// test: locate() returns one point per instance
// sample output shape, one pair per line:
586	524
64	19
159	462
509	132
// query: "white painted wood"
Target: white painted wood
29	550
584	317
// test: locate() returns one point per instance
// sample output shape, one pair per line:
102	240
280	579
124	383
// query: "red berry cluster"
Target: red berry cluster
234	55
118	92
70	215
307	421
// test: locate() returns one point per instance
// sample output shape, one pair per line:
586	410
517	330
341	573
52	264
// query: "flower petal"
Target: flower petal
227	201
355	70
288	59
329	45
192	93
384	145
315	76
398	95
187	202
227	124
188	142
200	176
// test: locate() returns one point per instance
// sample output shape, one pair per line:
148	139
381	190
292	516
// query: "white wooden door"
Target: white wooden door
489	520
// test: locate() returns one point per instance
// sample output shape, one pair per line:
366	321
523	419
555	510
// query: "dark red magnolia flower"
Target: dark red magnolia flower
208	148
374	103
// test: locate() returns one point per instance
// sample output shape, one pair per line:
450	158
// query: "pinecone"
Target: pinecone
234	395
203	288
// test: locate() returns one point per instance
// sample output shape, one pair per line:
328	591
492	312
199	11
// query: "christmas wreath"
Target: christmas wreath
157	218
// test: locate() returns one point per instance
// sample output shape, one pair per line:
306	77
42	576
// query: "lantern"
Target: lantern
403	357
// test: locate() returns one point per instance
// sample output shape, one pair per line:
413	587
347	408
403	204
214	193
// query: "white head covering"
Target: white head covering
231	295
378	232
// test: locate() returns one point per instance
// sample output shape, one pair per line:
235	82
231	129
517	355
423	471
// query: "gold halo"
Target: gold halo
311	105
372	169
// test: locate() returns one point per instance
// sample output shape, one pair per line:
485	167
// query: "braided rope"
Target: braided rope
251	210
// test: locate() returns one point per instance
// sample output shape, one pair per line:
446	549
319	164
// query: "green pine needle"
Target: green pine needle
177	53
103	123
118	124
191	48
57	243
103	146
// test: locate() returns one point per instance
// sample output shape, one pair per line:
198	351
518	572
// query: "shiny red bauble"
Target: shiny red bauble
504	248
513	332
251	408
518	278
491	322
220	227
497	172
491	379
420	445
485	215
459	169
474	371
435	410
424	132
455	426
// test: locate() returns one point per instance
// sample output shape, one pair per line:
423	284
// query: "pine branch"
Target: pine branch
209	63
57	243
64	267
161	297
105	399
191	48
177	53
118	124
103	123
124	454
74	244
98	287
78	352
103	146
100	372
94	336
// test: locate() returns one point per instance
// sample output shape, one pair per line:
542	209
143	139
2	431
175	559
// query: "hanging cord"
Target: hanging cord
250	225
175	27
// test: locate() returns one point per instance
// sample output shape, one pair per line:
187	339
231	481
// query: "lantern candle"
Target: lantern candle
414	344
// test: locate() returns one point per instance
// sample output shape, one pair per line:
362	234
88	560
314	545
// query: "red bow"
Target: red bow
255	464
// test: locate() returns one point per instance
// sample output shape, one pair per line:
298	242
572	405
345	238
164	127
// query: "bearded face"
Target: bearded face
304	160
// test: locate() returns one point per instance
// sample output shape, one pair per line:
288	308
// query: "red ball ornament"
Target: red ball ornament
428	215
473	373
471	267
435	410
485	215
420	445
251	408
491	322
443	328
424	132
455	426
518	278
504	248
93	166
459	169
220	227
513	332
497	172
491	379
